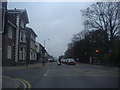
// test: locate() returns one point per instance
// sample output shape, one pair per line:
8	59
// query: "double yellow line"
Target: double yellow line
25	83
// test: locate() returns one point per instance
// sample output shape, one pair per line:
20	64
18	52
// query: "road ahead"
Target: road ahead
68	76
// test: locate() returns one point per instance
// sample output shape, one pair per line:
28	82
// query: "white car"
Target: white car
70	61
50	60
62	60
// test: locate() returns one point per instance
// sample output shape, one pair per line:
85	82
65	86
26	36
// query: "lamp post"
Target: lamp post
44	51
45	42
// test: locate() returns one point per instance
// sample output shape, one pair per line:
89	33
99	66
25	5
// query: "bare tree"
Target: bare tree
79	36
104	16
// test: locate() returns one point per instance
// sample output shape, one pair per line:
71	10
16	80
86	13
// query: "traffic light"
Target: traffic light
97	51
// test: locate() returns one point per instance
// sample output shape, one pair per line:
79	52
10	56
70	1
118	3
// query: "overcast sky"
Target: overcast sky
56	21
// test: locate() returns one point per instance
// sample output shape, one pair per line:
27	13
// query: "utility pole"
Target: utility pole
44	51
43	55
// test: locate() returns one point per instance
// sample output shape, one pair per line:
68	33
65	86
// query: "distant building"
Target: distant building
40	52
31	45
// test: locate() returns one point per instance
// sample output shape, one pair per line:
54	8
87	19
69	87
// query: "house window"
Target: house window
10	32
31	44
21	36
31	35
22	24
21	53
31	56
34	56
9	52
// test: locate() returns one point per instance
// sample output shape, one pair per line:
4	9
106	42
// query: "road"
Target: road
68	76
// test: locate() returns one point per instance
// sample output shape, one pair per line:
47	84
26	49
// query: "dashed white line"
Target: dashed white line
46	73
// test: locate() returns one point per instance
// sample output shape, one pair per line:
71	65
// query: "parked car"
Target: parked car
62	60
50	60
70	61
66	60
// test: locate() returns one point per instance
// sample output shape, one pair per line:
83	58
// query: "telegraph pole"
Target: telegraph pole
44	52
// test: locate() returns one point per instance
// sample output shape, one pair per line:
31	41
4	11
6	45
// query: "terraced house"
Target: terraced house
31	45
18	42
14	37
40	52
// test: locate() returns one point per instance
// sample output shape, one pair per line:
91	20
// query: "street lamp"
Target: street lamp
45	42
44	51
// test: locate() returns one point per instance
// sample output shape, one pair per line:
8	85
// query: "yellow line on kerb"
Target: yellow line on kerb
29	86
24	82
25	86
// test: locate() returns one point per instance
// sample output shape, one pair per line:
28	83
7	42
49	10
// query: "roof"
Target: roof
28	28
39	44
20	11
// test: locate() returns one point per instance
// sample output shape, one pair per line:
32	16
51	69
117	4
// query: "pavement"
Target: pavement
99	66
10	82
30	66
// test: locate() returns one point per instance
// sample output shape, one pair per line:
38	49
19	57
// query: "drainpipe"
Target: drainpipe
2	16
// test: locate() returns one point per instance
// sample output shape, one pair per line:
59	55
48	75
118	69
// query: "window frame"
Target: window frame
9	52
10	32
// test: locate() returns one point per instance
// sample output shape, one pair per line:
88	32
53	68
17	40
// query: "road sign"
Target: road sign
110	51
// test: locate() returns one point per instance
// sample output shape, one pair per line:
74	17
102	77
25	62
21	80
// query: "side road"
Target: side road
8	82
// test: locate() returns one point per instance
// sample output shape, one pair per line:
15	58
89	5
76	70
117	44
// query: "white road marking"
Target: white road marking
78	72
46	73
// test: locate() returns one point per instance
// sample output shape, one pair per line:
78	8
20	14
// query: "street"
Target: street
67	76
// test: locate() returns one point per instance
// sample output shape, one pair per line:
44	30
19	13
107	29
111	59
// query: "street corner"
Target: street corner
8	82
